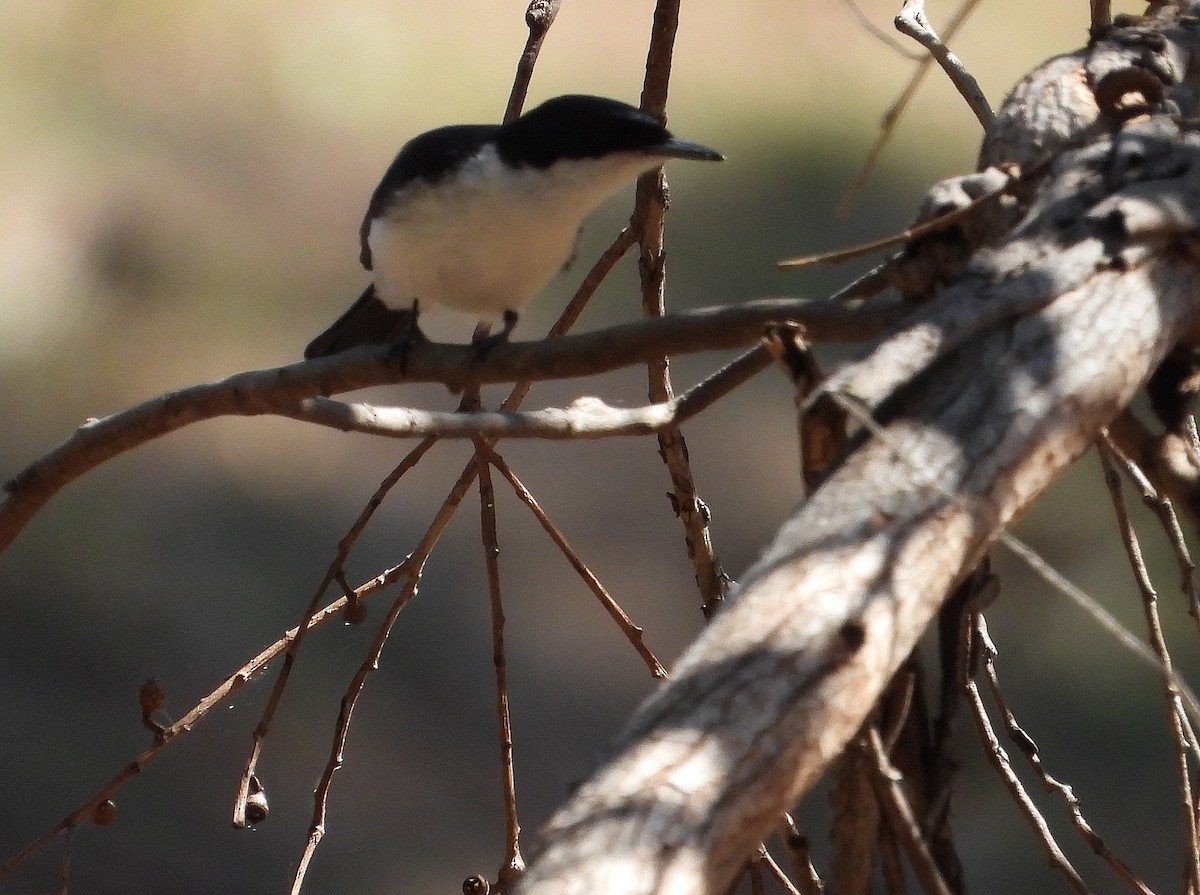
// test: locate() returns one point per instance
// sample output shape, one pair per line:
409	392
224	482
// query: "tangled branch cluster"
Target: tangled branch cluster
1037	297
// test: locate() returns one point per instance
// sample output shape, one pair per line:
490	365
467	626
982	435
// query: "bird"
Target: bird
480	217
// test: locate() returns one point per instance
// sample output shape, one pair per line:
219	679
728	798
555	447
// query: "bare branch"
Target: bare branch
649	222
283	388
538	18
1176	717
586	417
414	566
632	632
767	696
514	864
998	757
232	684
334	573
912	21
1028	747
891	116
889	789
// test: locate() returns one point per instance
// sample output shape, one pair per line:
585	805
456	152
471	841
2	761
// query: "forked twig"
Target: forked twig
632	632
416	564
335	572
997	756
1028	747
231	685
889	789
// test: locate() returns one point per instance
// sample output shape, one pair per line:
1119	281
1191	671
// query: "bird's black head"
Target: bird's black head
584	127
436	153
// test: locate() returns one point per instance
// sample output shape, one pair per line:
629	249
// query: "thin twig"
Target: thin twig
227	688
1163	507
1028	748
316	829
892	115
584	418
649	215
765	860
905	236
998	757
632	632
539	16
889	789
1176	718
514	864
335	572
416	563
799	855
913	23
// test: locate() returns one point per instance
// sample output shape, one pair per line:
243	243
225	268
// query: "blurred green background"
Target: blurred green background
180	191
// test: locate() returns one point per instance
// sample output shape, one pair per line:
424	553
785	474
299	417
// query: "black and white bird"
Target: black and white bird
480	217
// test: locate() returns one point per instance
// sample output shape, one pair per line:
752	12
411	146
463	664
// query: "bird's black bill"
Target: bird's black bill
683	149
368	322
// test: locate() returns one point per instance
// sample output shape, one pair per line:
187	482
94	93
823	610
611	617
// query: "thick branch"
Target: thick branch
773	689
583	354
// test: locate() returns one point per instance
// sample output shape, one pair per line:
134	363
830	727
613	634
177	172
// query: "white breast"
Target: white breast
489	239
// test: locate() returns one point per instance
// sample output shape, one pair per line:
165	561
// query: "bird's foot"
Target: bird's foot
483	341
404	337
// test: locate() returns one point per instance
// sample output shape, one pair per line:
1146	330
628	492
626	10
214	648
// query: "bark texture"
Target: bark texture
1039	322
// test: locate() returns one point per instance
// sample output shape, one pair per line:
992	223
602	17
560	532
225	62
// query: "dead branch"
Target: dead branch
912	22
283	390
586	417
649	224
968	438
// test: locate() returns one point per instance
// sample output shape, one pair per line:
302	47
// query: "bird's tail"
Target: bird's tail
368	322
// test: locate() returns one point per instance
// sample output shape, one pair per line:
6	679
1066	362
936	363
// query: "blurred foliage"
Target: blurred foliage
180	193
